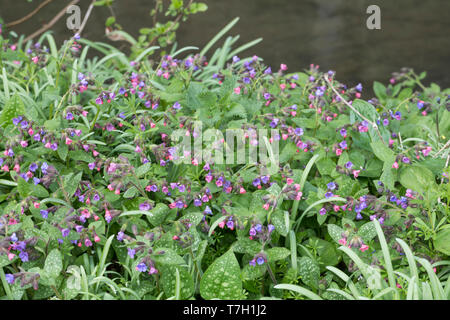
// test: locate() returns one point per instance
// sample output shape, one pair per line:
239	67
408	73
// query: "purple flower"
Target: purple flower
343	132
252	232
260	260
252	262
265	179
141	267
359	87
256	182
230	224
258	227
385	122
23	256
197	202
329	194
322	211
176	106
359	216
331	185
208	210
405	160
78	228
179	204
420	104
271	227
36	180
14	237
69	116
9	278
299	131
33	167
120	235
44	214
44	168
349	165
131	253
65	232
343	144
236	59
145	206
91	165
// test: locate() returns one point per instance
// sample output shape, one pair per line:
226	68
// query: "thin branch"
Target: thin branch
86	17
443	148
28	16
373	124
52	22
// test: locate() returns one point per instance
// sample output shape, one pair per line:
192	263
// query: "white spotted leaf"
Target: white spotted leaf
222	279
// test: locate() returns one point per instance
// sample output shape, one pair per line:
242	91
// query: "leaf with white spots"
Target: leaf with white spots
222	279
275	254
53	264
335	232
367	231
166	256
168	281
309	272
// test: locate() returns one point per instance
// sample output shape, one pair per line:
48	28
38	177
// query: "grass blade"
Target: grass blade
300	290
218	36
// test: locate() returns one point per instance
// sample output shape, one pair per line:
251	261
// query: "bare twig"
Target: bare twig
51	23
443	148
373	124
86	17
28	16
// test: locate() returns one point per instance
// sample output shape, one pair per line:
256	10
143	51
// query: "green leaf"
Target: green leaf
63	149
71	183
13	108
367	231
222	279
166	256
380	91
168	281
442	241
417	178
278	253
142	170
245	245
335	232
23	187
53	265
300	290
158	214
309	272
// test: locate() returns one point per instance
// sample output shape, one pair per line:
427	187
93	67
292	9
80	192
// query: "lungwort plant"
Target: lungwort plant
347	199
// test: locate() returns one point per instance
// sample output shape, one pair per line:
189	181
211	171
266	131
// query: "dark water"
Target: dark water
331	33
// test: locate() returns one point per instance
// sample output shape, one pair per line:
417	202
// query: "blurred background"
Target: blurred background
330	33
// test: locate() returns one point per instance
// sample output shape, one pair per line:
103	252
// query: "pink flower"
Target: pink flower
16	168
117	191
426	151
283	67
68	141
356	173
35	59
11	256
138	149
395	165
266	206
222	224
342	241
237	90
95	153
282	86
96	238
364	247
36	205
242	190
24	143
338	152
